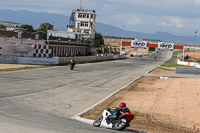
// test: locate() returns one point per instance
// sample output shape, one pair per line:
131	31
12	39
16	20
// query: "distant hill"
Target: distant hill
34	18
60	23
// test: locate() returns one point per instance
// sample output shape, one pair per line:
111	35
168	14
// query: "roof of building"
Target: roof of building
8	22
86	10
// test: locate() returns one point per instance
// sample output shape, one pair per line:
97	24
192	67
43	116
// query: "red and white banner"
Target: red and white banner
165	45
138	44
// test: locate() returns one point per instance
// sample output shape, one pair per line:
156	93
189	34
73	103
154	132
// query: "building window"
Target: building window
83	15
86	31
92	15
84	24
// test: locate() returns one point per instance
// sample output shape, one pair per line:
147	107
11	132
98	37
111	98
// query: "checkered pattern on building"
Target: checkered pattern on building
42	51
10	28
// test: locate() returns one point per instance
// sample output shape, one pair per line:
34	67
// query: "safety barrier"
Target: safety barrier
195	64
54	60
187	70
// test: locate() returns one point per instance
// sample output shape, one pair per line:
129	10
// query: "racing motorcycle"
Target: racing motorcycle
120	124
72	64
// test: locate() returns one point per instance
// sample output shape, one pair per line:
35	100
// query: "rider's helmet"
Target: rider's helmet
122	104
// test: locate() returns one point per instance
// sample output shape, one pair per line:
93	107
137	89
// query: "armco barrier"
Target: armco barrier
188	70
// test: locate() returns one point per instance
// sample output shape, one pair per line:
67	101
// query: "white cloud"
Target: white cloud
166	24
134	21
172	22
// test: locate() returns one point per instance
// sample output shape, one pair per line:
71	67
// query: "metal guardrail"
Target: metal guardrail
187	70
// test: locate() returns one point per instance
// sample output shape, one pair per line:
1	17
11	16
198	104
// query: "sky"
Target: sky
178	17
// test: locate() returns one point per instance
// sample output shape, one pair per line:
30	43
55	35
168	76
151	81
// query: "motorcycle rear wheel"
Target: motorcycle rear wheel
121	125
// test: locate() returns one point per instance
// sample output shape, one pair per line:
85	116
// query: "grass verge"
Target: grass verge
172	61
173	65
149	53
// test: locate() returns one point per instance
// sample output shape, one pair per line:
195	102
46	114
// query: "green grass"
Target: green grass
149	53
173	65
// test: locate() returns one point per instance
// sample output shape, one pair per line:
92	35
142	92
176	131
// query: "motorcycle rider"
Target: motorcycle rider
117	111
72	61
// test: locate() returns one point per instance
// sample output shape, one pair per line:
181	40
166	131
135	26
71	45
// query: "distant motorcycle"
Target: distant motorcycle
120	124
72	64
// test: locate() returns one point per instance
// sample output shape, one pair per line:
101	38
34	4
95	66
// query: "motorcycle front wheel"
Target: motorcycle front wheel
97	122
121	124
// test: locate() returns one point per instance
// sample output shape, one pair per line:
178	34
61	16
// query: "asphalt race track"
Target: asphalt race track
44	100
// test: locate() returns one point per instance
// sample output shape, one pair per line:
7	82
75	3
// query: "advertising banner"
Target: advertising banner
165	45
16	50
138	44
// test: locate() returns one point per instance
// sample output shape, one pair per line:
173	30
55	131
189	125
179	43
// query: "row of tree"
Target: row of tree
43	27
29	28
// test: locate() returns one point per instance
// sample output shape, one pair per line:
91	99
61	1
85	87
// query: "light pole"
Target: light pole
195	37
122	40
183	53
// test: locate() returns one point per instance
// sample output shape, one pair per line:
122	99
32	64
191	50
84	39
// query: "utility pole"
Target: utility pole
122	40
106	34
183	53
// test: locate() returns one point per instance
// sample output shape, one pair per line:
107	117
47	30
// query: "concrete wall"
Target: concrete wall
24	35
9	59
8	49
54	60
28	60
8	33
38	61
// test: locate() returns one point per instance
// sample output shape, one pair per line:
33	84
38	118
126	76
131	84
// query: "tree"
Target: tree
2	26
28	28
98	41
45	26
